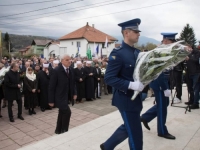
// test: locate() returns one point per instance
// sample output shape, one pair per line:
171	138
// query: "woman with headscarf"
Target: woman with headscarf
31	93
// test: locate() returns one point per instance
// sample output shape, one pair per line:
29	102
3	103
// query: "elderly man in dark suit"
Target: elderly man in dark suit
62	88
12	90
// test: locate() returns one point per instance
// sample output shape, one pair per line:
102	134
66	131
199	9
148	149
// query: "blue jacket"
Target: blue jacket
161	83
119	73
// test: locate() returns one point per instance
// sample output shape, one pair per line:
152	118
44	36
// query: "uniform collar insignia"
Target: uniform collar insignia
114	57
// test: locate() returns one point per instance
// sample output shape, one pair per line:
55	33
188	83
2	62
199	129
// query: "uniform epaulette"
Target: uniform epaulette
118	48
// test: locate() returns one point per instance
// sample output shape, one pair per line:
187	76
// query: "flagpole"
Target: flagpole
106	45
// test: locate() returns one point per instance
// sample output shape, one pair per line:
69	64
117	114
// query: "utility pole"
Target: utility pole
9	46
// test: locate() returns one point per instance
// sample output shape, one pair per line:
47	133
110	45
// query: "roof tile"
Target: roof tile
89	33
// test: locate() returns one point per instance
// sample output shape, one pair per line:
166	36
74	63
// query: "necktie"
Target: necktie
67	71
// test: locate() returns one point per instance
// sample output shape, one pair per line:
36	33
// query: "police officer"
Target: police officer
177	72
119	75
162	93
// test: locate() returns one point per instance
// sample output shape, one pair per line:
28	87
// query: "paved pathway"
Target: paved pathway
42	125
88	136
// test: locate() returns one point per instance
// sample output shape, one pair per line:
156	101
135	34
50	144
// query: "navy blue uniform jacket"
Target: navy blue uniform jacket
119	73
161	83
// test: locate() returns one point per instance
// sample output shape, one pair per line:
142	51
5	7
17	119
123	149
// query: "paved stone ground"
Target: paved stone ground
88	136
42	125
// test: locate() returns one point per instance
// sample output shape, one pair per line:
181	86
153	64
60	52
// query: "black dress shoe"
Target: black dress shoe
30	112
20	117
188	103
63	131
99	97
12	120
49	108
42	109
4	106
102	147
56	132
167	136
194	106
145	123
88	99
33	112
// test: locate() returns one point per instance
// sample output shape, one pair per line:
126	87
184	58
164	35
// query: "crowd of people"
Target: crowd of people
60	82
30	78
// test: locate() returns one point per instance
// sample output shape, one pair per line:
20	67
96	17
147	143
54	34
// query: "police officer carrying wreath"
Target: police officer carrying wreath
119	75
162	93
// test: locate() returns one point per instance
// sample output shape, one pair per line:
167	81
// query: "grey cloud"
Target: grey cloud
165	18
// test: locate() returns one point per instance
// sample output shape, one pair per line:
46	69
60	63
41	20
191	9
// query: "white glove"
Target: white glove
136	86
167	93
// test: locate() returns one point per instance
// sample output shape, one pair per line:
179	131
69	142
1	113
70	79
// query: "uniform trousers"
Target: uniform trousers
63	120
131	129
159	110
10	103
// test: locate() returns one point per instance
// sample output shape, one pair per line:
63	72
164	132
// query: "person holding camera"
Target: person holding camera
192	77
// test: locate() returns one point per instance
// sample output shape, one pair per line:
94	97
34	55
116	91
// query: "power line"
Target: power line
29	3
63	13
59	10
41	9
105	14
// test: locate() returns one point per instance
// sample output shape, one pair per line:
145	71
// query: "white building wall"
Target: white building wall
46	52
62	51
105	51
53	49
110	47
72	48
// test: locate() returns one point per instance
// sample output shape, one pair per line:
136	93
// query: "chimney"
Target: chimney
87	24
93	25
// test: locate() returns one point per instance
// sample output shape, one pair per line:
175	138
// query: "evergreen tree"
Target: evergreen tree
6	40
188	35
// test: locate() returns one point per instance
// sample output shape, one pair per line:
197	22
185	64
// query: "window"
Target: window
78	44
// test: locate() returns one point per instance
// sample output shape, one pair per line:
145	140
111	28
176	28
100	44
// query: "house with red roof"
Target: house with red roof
84	38
25	50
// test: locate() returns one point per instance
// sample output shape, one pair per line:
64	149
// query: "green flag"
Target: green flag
89	55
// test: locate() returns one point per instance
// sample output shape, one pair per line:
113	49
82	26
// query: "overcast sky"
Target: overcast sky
166	16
